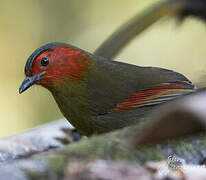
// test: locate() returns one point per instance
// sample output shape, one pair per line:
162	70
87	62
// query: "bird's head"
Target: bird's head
53	63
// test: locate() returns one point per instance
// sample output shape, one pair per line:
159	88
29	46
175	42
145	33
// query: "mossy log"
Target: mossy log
186	138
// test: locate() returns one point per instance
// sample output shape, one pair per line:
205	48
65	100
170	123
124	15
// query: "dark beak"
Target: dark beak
29	81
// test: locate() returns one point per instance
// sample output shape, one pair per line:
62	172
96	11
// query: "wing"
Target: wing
117	86
155	95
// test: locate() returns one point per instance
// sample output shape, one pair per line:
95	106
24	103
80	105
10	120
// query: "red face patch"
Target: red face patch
64	62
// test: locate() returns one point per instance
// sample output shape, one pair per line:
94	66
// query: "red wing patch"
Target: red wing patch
155	95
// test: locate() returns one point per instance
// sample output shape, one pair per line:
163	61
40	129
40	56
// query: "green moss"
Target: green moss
115	146
57	162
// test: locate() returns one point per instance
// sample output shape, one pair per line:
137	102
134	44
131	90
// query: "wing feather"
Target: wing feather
155	95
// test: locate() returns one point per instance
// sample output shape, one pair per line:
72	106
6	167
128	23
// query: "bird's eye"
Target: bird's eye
45	61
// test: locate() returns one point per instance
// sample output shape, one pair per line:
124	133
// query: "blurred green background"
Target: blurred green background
25	25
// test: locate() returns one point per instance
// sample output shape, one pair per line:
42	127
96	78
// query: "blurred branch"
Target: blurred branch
140	22
137	24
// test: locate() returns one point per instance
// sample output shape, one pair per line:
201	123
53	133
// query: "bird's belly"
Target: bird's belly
117	120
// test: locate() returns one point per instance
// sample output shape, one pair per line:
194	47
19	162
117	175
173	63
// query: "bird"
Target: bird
98	95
